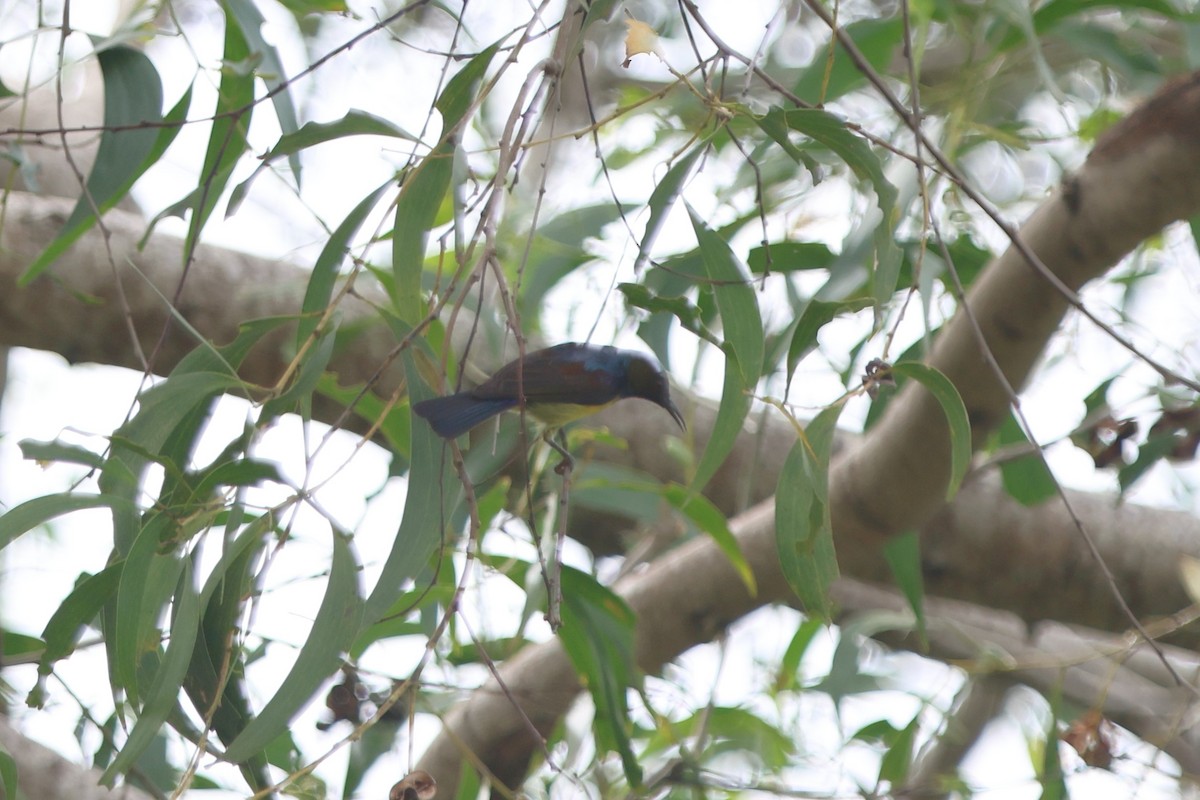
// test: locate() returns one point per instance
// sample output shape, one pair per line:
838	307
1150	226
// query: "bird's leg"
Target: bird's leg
567	464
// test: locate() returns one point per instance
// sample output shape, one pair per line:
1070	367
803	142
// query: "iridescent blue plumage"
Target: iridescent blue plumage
558	384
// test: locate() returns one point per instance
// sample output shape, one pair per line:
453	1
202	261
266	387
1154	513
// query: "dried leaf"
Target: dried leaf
640	38
1091	736
418	785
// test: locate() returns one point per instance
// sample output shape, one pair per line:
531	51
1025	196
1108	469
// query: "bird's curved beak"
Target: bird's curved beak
675	414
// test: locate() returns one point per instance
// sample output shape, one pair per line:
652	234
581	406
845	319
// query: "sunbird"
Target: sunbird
558	385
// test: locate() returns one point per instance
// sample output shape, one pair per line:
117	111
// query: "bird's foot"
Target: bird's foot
567	464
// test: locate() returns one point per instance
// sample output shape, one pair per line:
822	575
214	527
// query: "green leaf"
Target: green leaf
803	527
147	582
416	213
426	184
302	8
395	420
242	472
75	612
879	731
731	414
131	142
1052	12
468	779
15	645
618	490
898	758
227	358
61	453
903	554
8	773
877	39
732	289
325	271
396	621
1150	453
433	492
270	68
1096	401
831	132
845	677
174	409
744	731
557	250
744	345
459	95
1194	228
640	296
227	139
790	257
155	768
1050	770
663	197
815	316
1027	479
336	625
789	676
165	431
597	634
298	395
31	513
727	730
1116	51
708	518
168	678
1020	15
956	415
354	123
216	676
162	407
375	742
670	282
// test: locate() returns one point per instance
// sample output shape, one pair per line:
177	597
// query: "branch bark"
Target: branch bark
978	703
1079	232
44	774
105	292
897	479
1093	670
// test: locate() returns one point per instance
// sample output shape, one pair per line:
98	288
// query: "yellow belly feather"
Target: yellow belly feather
555	414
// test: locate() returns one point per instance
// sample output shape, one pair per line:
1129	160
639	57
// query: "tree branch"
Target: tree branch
42	773
978	703
897	479
1080	231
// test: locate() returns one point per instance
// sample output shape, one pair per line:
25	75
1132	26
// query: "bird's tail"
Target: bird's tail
455	414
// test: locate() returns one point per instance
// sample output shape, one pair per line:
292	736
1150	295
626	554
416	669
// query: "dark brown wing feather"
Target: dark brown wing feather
570	373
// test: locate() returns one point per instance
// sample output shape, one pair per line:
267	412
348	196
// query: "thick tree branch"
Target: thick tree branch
979	702
43	774
50	315
963	545
76	308
896	480
1093	670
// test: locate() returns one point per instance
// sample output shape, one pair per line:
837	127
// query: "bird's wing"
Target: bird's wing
563	374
